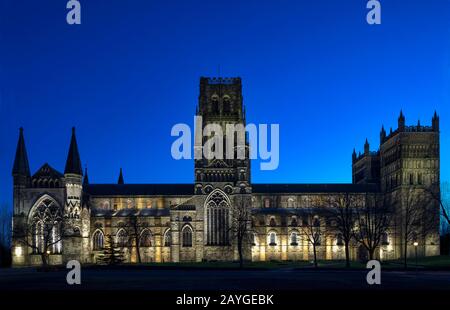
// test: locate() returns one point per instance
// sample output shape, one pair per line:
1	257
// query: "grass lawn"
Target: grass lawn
434	262
431	262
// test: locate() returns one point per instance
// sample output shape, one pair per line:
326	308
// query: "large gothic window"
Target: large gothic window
215	104
217	219
187	236
46	224
98	240
146	238
122	238
226	105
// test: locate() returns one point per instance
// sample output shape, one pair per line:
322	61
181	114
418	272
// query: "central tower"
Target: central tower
220	106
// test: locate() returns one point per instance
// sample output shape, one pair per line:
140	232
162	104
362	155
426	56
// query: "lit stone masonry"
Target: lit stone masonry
197	221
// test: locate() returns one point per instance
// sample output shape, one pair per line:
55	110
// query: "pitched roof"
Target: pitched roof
188	189
21	165
139	189
73	163
47	171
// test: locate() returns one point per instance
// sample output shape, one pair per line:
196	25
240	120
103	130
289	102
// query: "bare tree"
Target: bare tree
240	228
311	228
441	194
134	228
5	234
416	217
372	222
43	232
344	215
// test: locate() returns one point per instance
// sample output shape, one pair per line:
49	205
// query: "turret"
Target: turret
401	121
21	168
435	122
366	147
73	163
73	174
120	180
86	178
382	135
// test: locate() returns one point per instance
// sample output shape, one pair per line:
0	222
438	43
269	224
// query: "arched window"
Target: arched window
272	238
267	203
316	222
98	240
217	219
122	238
187	237
294	221
46	221
226	105
290	202
215	104
38	238
294	238
145	239
272	222
167	238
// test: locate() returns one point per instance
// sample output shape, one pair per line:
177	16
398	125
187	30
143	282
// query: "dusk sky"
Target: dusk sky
131	71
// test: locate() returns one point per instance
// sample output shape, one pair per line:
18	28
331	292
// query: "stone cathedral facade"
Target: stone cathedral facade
191	222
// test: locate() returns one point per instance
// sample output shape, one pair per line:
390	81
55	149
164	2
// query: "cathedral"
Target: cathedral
194	222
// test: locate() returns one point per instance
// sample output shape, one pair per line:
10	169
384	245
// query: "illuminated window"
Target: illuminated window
272	222
294	222
122	238
167	238
294	238
272	238
146	238
98	240
187	236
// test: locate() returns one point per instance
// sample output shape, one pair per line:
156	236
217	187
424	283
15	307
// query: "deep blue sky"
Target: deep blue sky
131	71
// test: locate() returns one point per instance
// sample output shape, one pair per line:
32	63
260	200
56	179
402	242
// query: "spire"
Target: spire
120	180
382	134
86	178
354	154
73	163
401	121
366	147
435	122
21	165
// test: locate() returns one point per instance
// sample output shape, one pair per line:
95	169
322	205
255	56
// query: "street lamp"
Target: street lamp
415	249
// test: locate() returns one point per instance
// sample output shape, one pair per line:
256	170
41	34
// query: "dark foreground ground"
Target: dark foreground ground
210	279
